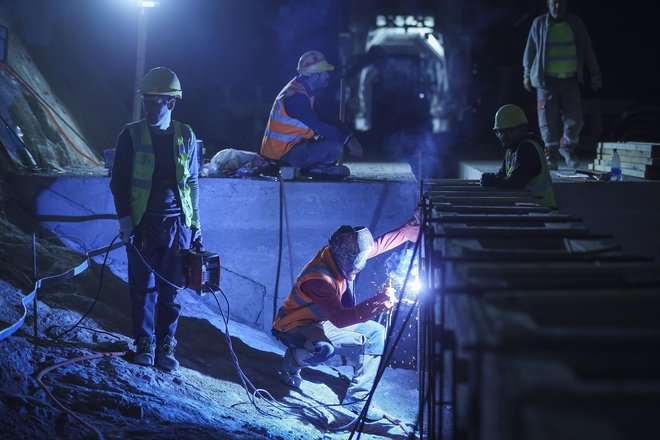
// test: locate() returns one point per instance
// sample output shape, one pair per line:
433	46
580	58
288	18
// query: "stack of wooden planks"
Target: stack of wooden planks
638	159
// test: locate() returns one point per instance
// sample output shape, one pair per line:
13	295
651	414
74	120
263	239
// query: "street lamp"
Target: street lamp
140	59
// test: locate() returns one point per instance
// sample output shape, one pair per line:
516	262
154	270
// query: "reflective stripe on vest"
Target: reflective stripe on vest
143	169
282	131
298	309
540	186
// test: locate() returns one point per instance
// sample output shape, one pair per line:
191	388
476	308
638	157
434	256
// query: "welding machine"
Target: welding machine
202	271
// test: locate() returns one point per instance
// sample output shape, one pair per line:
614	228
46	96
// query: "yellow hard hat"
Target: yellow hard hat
161	81
313	61
509	116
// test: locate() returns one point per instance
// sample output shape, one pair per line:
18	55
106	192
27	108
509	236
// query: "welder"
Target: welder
155	188
524	165
320	314
295	133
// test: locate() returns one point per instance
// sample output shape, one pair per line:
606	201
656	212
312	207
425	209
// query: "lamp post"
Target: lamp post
140	59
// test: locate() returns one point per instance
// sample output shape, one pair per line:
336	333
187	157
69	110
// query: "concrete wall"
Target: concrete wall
240	221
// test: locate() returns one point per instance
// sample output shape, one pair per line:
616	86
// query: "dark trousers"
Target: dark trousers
154	308
310	153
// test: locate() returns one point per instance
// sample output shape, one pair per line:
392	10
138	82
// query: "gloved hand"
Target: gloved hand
125	229
387	295
196	239
596	83
527	83
488	179
416	217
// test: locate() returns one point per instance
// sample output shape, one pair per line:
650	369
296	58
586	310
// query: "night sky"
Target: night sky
236	55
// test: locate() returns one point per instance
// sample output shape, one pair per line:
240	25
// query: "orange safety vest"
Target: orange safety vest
283	131
299	309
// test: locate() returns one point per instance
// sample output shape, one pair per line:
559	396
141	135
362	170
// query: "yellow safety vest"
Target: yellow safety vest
143	169
541	185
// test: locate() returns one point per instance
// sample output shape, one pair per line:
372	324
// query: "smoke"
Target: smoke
397	266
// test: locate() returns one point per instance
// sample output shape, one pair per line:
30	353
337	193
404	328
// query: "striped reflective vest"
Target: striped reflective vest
298	309
143	169
283	131
541	185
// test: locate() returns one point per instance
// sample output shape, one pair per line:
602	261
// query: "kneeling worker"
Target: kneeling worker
320	315
295	132
524	165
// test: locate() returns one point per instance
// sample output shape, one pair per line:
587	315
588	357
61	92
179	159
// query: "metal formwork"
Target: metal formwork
529	321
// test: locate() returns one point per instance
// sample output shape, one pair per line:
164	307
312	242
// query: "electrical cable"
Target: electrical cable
46	370
279	251
50	110
98	291
388	352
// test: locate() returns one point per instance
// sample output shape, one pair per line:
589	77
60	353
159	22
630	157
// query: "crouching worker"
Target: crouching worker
524	165
320	315
155	189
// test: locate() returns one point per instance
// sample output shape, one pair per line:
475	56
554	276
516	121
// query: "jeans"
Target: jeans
154	308
310	153
560	113
307	345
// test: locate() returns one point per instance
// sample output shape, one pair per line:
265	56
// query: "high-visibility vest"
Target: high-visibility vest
298	309
283	131
541	185
143	169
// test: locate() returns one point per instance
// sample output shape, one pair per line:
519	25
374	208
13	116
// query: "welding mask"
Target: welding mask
351	248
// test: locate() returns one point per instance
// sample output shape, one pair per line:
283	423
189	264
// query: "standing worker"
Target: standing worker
558	47
524	165
320	314
296	134
155	189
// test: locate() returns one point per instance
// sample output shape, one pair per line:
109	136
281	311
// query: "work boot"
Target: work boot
165	354
570	158
144	351
290	373
374	413
291	378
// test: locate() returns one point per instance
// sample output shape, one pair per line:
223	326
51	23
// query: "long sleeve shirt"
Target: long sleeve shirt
300	107
325	297
535	50
526	167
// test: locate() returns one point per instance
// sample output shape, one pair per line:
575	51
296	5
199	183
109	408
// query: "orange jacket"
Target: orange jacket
320	286
282	131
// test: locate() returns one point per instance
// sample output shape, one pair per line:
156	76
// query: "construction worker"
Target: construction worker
524	165
320	314
558	47
155	189
296	134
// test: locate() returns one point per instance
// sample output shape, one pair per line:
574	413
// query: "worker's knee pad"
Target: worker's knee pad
323	350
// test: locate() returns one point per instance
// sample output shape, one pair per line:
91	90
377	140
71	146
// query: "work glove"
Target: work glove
196	239
527	83
596	83
488	179
125	229
387	295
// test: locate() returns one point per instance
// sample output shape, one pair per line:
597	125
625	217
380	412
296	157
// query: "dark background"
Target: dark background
234	56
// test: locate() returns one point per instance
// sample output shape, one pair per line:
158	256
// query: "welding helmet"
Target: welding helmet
313	61
161	81
509	116
351	247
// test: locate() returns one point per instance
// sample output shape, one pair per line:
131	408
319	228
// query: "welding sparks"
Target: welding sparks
397	267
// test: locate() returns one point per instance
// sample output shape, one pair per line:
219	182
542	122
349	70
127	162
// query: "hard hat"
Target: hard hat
161	81
313	61
351	247
509	116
